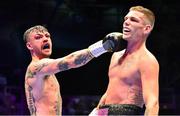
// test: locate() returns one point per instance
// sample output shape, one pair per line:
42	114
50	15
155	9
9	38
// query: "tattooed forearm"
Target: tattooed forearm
75	60
62	65
83	59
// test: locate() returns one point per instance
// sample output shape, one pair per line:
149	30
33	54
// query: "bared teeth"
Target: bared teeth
126	30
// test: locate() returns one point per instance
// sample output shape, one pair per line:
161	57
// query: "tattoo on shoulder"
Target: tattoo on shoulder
83	59
38	68
30	74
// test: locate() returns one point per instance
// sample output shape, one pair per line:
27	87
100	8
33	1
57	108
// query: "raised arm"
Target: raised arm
76	59
150	85
52	66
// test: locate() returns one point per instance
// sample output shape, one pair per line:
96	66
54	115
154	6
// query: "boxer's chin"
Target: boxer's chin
46	53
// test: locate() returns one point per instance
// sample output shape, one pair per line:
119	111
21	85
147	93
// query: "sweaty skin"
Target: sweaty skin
41	86
128	79
134	72
45	98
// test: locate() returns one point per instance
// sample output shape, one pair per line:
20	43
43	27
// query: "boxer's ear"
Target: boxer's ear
147	29
29	46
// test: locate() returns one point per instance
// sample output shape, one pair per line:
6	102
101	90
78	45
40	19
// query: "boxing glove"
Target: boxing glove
110	43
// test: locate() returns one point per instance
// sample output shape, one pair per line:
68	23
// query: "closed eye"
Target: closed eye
48	35
134	19
38	37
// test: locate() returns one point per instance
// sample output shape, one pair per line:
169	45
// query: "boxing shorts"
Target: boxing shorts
120	109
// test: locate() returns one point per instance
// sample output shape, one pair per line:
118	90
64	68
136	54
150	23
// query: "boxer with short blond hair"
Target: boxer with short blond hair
133	72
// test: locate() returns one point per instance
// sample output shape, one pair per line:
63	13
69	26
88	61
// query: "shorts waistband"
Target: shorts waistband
122	109
119	105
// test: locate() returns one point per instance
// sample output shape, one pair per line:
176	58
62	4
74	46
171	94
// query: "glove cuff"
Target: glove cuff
97	48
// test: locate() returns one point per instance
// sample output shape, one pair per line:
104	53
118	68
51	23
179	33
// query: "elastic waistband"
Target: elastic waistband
132	106
123	109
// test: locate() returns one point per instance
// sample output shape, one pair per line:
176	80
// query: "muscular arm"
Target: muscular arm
149	74
52	66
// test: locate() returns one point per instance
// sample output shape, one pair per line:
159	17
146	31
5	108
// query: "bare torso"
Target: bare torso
43	95
125	85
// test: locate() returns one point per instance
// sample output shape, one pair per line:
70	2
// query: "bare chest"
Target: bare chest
125	69
51	83
43	86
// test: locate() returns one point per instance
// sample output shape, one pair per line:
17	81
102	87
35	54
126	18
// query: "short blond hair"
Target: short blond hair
38	28
147	12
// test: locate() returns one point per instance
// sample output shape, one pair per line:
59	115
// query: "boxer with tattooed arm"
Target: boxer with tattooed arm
41	86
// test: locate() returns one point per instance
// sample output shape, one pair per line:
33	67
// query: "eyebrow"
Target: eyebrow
132	17
137	18
38	34
44	33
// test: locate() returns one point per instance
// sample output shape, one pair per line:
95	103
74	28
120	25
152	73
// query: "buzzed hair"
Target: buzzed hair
38	28
147	12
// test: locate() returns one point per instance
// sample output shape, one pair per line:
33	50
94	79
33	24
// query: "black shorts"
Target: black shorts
123	109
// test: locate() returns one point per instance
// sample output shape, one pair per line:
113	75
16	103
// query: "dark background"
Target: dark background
74	25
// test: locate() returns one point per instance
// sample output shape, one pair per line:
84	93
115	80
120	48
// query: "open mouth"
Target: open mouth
46	46
126	30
